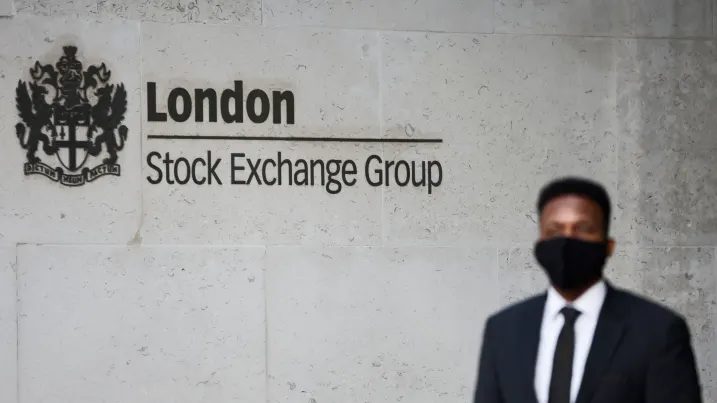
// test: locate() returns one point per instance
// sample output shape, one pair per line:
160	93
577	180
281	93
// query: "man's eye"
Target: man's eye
586	229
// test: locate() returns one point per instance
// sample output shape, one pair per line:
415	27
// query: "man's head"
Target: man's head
576	208
574	239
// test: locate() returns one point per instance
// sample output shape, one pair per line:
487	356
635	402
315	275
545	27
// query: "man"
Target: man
584	341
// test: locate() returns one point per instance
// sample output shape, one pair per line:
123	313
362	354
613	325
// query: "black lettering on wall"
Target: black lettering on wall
200	170
432	182
167	170
372	180
302	167
313	165
251	108
268	181
172	102
254	171
152	114
349	169
156	169
184	163
333	174
402	173
237	115
230	105
404	165
422	182
235	168
206	95
288	98
283	162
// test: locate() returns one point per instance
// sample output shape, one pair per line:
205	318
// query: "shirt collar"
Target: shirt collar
589	304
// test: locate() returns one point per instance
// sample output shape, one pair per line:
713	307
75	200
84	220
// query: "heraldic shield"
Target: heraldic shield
76	115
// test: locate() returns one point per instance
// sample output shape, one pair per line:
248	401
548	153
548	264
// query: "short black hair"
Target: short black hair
578	187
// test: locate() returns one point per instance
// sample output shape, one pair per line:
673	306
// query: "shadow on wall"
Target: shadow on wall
667	158
666	106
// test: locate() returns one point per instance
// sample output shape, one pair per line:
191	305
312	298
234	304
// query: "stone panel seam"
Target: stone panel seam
379	74
17	325
493	19
386	246
708	38
137	239
311	27
265	265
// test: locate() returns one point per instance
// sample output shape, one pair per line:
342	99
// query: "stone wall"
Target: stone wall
115	288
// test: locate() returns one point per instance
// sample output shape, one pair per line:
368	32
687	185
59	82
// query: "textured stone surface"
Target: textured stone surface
415	15
654	18
332	74
242	12
141	324
33	208
353	324
54	8
371	297
668	151
684	280
8	326
6	8
519	275
514	112
334	80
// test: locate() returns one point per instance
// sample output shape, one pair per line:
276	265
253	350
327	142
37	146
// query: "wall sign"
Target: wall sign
229	106
58	120
74	116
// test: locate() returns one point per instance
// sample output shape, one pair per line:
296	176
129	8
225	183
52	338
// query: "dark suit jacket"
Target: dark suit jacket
641	353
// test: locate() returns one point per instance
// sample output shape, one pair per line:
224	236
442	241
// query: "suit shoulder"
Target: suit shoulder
517	310
647	309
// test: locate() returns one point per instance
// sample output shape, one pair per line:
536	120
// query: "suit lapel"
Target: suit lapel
529	338
608	334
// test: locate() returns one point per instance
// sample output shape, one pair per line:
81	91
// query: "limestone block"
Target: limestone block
64	8
653	18
6	8
332	77
242	12
141	324
416	15
367	324
519	274
514	112
35	208
684	280
668	151
8	326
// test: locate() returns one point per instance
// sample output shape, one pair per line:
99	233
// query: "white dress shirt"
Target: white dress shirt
589	305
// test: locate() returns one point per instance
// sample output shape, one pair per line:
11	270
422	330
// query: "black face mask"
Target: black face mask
571	263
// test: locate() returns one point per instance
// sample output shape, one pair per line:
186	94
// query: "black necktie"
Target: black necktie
563	362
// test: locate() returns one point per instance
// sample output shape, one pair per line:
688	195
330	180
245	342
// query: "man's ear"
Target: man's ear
610	246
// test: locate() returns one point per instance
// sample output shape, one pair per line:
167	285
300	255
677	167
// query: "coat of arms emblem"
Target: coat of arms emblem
68	114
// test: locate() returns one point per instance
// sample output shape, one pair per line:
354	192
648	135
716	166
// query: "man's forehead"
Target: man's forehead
570	205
